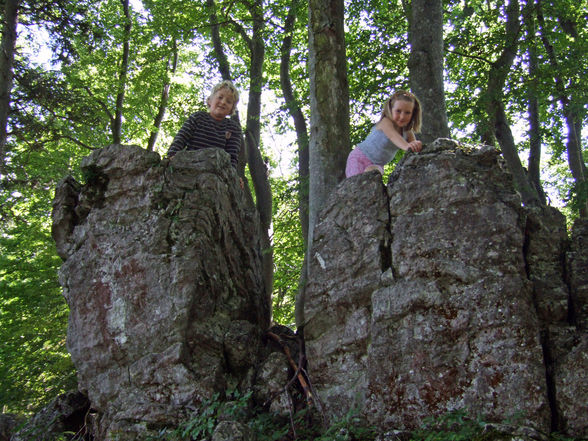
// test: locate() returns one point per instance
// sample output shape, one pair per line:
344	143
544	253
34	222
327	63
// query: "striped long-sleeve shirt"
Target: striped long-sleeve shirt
201	131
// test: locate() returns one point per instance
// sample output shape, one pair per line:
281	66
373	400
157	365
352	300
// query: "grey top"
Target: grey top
378	148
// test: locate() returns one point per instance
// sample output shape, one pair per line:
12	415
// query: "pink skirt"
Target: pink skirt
357	162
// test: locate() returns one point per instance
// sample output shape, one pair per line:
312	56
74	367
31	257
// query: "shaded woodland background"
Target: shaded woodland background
121	72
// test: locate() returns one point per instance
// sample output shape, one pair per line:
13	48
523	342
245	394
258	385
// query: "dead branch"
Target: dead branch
297	368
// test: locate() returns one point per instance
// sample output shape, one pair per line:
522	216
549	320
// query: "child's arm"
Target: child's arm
181	139
413	143
386	126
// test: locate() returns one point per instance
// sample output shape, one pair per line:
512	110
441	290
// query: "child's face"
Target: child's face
402	112
221	104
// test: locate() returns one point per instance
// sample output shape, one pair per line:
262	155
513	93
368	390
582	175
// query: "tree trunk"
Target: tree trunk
122	77
6	65
426	66
303	154
534	165
572	118
299	122
163	100
257	166
329	111
576	161
495	107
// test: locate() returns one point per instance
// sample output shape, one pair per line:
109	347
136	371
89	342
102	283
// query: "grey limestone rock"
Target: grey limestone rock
349	254
66	413
232	431
571	388
437	292
432	295
577	266
162	275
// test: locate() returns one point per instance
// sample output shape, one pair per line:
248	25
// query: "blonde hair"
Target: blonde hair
402	95
226	84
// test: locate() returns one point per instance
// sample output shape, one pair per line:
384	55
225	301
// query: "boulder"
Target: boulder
571	388
232	431
65	414
577	270
437	292
418	301
545	250
162	275
569	345
350	256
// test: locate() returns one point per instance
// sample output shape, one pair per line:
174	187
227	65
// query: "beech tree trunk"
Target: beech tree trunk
122	76
302	138
572	117
163	100
329	112
495	106
426	66
534	165
6	73
257	167
299	122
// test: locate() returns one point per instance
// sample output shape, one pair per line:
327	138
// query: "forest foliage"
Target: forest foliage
90	73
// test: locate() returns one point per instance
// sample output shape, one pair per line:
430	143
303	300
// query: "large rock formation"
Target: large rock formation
162	274
434	293
441	292
568	345
577	266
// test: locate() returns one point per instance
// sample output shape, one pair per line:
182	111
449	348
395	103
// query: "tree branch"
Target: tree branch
100	103
473	57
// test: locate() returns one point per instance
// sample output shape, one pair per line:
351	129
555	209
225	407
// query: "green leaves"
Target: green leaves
288	249
202	424
34	363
